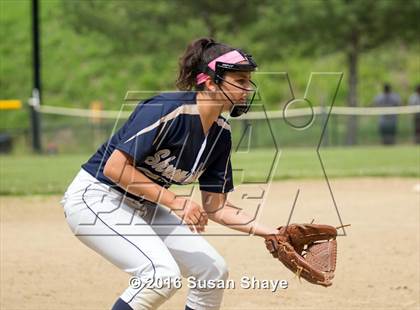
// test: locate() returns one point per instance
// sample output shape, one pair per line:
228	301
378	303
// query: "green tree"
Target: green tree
148	26
132	26
348	26
222	17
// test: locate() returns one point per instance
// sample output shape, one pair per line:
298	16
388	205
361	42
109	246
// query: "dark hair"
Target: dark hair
199	52
387	87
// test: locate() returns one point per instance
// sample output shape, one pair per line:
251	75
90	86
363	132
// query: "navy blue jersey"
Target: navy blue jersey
165	138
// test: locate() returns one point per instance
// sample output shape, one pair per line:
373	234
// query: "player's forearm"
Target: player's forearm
236	219
139	184
221	211
136	183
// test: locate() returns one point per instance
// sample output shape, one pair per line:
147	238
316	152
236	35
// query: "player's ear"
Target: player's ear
210	85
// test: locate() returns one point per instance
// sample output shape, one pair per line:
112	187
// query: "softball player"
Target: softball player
120	205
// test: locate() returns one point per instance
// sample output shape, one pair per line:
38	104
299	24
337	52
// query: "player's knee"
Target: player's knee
222	268
159	271
215	268
168	271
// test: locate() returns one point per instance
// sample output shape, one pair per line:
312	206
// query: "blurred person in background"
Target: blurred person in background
387	123
415	100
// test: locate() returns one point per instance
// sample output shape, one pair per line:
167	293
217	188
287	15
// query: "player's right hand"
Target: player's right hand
191	213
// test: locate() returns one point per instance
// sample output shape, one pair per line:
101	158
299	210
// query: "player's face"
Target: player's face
238	87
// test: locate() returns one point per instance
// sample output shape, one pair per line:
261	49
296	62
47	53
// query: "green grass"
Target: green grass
27	175
378	161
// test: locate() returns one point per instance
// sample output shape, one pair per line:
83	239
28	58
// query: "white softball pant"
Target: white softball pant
145	241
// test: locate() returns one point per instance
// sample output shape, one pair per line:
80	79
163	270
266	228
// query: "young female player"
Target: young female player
120	205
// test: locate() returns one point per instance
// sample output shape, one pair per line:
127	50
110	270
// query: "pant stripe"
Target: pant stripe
116	232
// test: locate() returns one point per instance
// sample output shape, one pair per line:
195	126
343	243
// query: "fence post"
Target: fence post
36	92
34	103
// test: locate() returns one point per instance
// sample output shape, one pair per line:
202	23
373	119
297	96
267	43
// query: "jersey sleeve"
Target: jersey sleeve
217	178
141	131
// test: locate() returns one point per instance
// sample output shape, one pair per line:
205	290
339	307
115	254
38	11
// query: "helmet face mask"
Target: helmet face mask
221	68
237	109
217	70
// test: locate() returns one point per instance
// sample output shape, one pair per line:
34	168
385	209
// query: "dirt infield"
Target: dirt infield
43	266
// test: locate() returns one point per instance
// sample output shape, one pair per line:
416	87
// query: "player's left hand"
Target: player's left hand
308	250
